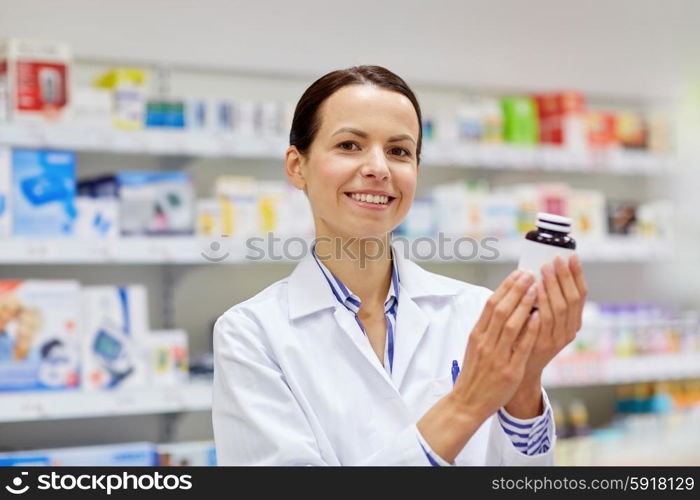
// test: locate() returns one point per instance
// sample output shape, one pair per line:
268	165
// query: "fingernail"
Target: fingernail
535	316
526	278
575	261
547	269
532	291
558	261
515	274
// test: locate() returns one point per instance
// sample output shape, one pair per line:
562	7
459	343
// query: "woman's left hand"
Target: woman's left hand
561	295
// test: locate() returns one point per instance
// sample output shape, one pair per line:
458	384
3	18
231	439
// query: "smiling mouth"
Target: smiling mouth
381	200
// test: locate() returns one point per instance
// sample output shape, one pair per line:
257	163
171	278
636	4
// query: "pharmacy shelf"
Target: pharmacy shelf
150	142
544	158
592	370
228	145
192	251
40	405
646	440
171	250
196	396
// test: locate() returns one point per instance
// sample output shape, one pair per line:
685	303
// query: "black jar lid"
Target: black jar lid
553	222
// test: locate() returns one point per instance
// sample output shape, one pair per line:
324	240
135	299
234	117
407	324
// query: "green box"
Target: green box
520	121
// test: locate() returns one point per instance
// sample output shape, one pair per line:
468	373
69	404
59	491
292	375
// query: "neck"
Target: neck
362	264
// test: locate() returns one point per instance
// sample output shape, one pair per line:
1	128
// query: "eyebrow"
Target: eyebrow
360	133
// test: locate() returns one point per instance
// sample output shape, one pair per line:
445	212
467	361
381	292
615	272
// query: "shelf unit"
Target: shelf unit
34	406
194	250
177	147
576	372
223	145
196	396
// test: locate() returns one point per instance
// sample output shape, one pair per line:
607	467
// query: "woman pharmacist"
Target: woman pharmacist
356	359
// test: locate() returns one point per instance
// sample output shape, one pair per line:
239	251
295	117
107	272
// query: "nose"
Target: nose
376	165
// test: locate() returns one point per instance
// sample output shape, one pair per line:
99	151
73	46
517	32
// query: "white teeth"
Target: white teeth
369	198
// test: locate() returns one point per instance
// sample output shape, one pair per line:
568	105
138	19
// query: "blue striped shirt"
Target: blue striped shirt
352	303
531	436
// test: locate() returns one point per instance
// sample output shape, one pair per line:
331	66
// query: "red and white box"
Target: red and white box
34	80
562	119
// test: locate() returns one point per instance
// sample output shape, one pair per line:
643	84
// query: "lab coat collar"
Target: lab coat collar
416	282
309	291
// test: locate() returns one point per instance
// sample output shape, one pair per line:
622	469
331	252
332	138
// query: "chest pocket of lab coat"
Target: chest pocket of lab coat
474	451
441	386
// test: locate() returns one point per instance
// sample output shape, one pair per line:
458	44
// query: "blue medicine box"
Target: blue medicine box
43	192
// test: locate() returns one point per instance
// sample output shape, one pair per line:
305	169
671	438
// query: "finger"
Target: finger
515	323
566	280
496	297
570	292
580	280
556	298
545	309
577	272
505	307
526	342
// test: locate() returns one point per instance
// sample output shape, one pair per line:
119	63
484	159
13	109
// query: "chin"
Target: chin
364	231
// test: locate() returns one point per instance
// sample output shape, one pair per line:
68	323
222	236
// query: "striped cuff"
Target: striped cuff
531	436
433	458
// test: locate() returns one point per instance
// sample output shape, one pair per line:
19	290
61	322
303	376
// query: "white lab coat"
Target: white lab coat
297	383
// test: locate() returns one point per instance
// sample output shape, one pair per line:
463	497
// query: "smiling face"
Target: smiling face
360	171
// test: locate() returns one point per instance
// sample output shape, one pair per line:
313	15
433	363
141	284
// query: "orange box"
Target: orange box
601	129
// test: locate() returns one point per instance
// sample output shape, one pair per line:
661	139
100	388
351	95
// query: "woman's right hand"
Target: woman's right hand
498	348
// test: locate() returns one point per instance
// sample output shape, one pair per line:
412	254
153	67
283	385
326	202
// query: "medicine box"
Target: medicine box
5	193
115	323
168	359
39	335
156	203
112	455
187	454
520	120
34	80
43	192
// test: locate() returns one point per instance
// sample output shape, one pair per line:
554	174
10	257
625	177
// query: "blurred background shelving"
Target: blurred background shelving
42	406
193	250
231	145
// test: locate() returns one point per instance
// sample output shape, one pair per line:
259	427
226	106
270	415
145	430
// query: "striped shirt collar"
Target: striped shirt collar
351	301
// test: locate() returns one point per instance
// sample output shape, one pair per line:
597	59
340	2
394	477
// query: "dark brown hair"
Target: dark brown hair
306	122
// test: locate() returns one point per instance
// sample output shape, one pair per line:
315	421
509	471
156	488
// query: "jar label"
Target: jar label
534	255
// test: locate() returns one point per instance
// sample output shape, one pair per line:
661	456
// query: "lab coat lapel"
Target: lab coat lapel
351	329
309	293
411	325
416	285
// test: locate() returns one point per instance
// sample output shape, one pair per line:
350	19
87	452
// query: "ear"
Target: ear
293	162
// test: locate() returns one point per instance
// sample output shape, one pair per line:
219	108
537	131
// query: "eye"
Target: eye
348	146
400	152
